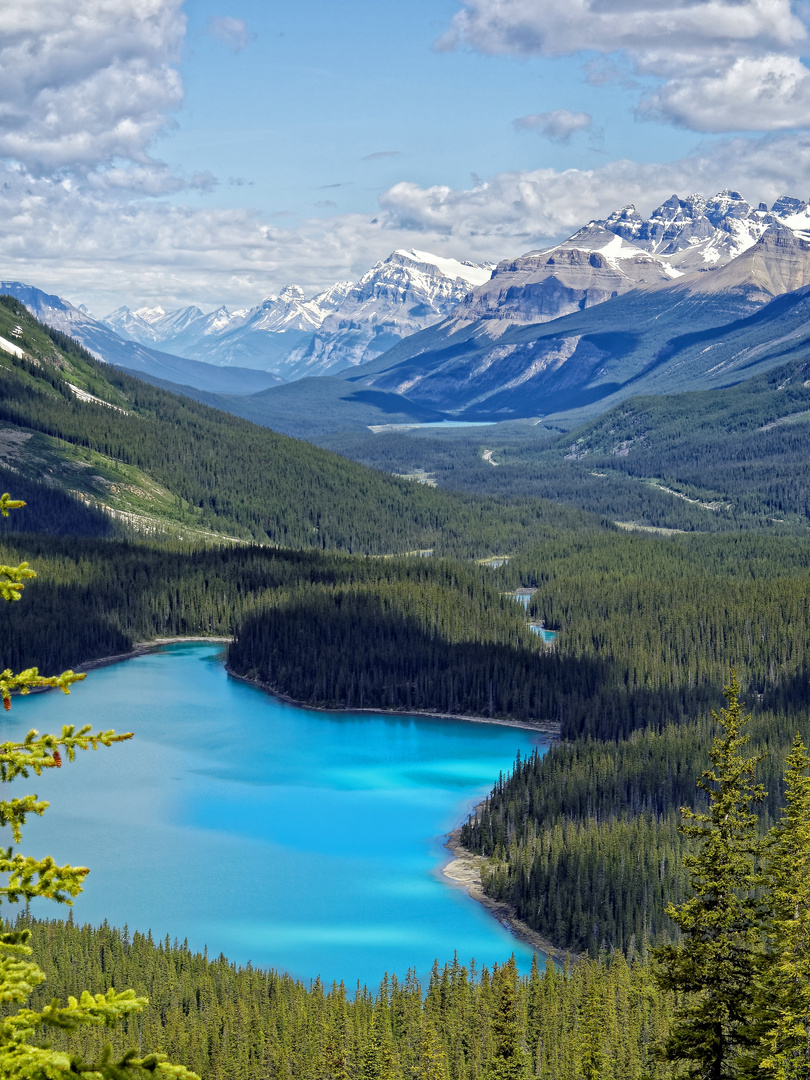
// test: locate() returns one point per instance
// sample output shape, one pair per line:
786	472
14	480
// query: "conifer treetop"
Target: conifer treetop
25	878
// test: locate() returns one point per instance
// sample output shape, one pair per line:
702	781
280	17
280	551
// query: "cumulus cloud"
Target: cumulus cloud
701	52
529	208
558	125
753	94
231	32
83	245
84	83
660	32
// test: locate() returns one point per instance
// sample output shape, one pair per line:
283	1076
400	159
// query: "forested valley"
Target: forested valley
700	461
302	558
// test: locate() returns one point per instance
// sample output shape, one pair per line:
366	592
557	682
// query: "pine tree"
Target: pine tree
510	1060
785	991
716	965
26	878
432	1059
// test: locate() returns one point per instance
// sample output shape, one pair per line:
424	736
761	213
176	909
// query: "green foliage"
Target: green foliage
26	878
716	964
584	841
189	469
441	639
706	461
784	993
228	1022
510	1060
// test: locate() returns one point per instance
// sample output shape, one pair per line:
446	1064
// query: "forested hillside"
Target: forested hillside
706	461
648	629
585	841
166	465
95	598
234	1024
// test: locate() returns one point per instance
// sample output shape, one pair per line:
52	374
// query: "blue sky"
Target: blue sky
169	151
336	103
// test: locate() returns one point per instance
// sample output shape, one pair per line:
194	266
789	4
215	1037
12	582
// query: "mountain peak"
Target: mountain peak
455	269
150	315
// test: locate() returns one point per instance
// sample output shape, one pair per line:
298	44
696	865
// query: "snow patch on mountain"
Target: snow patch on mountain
295	335
695	234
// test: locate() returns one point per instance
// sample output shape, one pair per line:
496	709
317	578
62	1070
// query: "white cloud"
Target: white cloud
753	94
702	51
92	248
653	30
231	32
558	125
85	85
83	82
517	210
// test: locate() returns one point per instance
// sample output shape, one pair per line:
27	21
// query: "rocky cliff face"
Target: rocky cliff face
593	266
778	263
619	308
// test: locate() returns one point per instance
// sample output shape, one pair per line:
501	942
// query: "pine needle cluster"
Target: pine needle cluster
25	1053
742	967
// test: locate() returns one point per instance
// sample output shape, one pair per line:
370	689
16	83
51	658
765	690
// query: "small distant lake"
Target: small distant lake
458	423
432	424
306	841
547	635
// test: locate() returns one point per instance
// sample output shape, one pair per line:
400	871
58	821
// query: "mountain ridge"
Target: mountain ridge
295	336
110	348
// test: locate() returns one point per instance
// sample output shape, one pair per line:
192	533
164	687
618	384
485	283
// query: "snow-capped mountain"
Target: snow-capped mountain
694	233
293	335
622	252
107	345
592	266
151	326
685	299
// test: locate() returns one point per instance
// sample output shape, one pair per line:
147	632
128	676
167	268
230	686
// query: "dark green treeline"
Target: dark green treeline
666	619
96	598
584	842
239	1024
648	629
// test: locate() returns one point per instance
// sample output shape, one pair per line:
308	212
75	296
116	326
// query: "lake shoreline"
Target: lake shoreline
464	872
142	648
464	869
550	730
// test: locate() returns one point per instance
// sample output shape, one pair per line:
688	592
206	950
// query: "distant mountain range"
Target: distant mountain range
293	336
701	294
108	346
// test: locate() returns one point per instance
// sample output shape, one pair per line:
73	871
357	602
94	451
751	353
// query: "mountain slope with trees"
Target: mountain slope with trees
189	467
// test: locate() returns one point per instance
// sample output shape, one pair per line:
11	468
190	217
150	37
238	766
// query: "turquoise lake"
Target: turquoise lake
306	841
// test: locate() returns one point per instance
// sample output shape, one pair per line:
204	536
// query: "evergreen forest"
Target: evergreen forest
339	586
